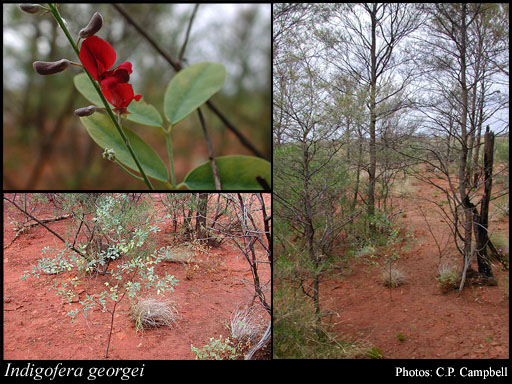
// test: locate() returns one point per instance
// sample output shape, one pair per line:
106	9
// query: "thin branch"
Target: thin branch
189	27
45	226
211	156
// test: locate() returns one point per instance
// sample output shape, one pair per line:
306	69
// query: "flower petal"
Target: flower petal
120	96
97	56
126	65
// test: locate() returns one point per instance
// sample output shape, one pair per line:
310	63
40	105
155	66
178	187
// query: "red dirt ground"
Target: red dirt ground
36	325
433	325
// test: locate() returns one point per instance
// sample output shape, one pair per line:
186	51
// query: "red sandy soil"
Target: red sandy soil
36	324
474	324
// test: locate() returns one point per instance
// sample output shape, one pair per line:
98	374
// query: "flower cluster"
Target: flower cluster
97	57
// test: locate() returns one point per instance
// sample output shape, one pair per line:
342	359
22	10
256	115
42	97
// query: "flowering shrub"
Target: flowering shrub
113	99
126	225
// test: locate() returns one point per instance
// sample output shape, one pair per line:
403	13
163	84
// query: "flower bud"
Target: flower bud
49	68
30	8
86	111
93	26
109	154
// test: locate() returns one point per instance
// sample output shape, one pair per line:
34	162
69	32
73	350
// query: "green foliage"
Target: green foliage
501	154
192	87
448	278
501	243
327	188
217	349
294	323
49	266
186	92
388	232
103	132
298	334
127	225
374	353
139	111
235	172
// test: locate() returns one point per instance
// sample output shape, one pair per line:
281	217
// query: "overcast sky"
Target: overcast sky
210	17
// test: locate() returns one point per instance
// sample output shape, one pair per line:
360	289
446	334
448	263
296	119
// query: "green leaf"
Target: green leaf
104	133
140	111
144	113
190	88
85	87
235	172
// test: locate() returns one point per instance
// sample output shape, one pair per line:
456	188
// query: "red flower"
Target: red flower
98	57
120	96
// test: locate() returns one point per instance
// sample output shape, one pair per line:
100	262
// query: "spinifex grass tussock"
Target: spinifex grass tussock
244	325
393	277
153	312
182	253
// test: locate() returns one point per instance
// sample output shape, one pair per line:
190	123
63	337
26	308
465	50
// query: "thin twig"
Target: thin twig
45	226
211	156
27	226
189	27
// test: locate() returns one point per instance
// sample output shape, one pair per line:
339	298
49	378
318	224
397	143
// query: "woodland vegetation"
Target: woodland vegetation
113	237
367	99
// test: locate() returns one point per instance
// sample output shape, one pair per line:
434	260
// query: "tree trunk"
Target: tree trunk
463	160
482	220
358	170
202	211
373	121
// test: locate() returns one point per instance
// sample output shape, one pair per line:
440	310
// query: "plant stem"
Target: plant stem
57	16
171	159
111	328
211	156
128	171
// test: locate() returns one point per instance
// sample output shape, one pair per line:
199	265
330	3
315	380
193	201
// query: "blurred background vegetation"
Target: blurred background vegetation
46	147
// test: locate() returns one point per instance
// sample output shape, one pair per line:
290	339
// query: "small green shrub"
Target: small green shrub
367	250
400	336
217	349
374	353
298	334
49	266
501	243
448	277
